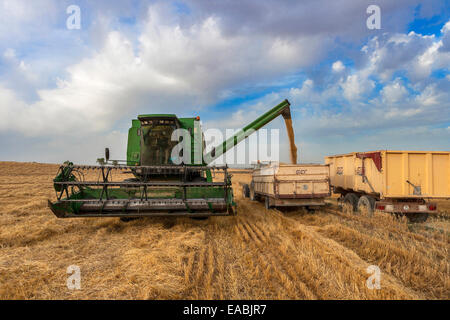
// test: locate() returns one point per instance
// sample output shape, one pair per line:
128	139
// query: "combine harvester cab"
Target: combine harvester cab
162	182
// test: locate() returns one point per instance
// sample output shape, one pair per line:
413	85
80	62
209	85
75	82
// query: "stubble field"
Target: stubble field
258	254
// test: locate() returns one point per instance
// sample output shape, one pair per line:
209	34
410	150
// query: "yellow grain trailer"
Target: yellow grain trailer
391	181
290	185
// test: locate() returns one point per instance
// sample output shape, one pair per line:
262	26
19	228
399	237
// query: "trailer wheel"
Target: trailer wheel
251	191
128	219
267	203
417	217
245	191
199	218
310	210
350	205
366	205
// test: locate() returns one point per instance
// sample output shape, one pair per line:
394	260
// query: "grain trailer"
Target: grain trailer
402	182
288	185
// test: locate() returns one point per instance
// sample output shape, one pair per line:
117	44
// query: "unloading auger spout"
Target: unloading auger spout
282	109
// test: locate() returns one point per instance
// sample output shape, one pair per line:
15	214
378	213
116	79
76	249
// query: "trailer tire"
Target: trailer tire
350	205
267	203
310	210
127	219
245	191
366	205
251	192
417	217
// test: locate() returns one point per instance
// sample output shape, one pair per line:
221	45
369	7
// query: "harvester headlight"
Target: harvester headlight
405	207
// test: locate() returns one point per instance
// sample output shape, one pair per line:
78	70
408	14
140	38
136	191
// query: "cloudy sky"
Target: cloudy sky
68	93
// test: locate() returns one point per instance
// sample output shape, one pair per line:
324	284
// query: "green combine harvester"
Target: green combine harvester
164	183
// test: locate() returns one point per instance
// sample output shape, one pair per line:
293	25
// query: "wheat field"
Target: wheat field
258	254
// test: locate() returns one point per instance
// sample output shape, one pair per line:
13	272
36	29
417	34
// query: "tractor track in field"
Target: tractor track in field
421	275
272	260
341	254
310	270
201	271
294	268
289	263
284	257
413	267
392	226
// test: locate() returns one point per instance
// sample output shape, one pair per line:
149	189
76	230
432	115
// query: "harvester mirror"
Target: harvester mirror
107	154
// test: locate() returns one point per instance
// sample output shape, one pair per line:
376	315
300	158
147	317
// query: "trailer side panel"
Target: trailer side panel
392	174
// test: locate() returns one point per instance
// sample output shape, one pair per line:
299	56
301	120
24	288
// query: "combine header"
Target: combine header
170	178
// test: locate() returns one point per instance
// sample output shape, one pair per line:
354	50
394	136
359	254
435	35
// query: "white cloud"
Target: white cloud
415	54
20	20
338	66
355	86
9	53
306	91
431	96
394	92
170	65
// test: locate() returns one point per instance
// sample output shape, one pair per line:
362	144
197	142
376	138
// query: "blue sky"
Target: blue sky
66	94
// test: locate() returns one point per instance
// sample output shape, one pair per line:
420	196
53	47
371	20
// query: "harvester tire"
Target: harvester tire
199	179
